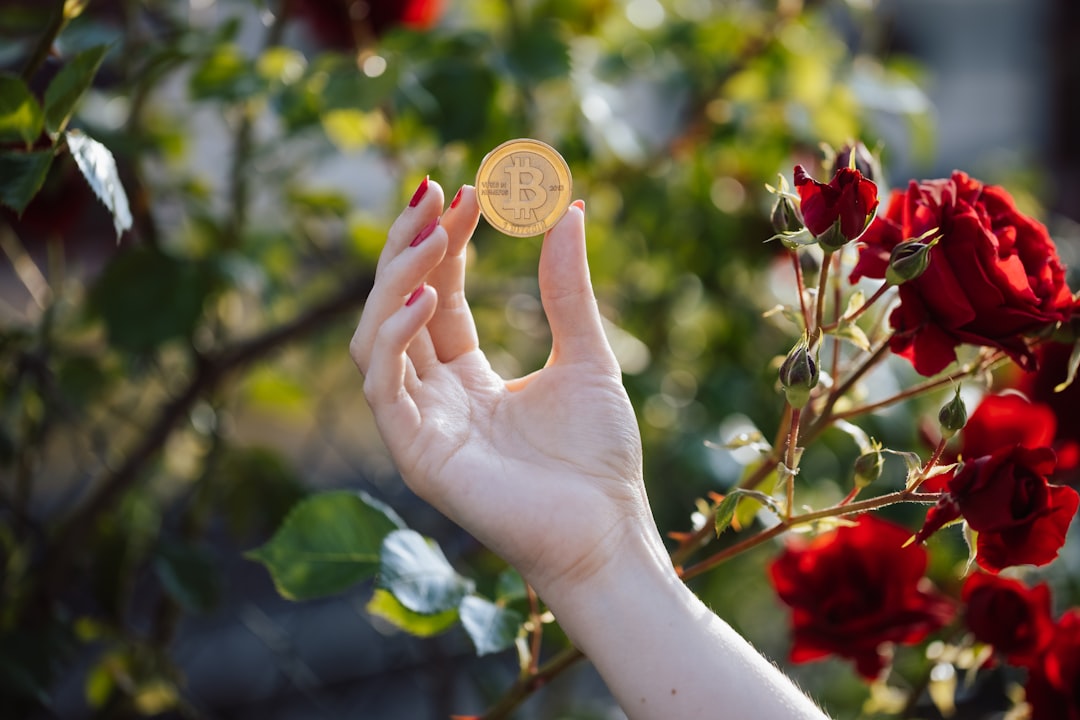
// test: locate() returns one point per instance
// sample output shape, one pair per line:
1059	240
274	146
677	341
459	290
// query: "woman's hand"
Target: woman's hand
546	469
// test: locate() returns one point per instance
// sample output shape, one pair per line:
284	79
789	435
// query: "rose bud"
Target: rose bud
908	260
857	156
868	467
952	416
785	217
839	211
799	374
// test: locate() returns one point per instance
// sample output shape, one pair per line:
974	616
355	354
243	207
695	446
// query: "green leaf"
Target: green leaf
226	74
725	511
751	503
21	176
384	605
189	574
21	118
463	94
329	542
67	88
509	586
147	297
492	628
853	334
98	166
539	53
415	570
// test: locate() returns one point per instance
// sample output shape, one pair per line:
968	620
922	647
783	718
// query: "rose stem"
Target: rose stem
801	287
930	463
537	630
791	460
823	279
861	309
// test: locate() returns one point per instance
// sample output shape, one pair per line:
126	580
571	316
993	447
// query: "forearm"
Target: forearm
663	653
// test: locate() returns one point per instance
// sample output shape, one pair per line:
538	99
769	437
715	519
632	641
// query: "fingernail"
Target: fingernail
419	194
415	294
423	234
580	204
457	198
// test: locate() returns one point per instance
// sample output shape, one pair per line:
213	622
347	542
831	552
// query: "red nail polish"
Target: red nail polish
423	234
457	198
415	294
419	194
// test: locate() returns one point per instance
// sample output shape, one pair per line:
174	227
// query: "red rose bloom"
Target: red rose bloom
346	24
993	277
848	200
1009	615
1053	686
1005	497
1039	386
854	589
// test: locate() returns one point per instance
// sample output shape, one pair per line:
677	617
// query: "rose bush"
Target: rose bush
1008	615
994	277
1040	387
855	589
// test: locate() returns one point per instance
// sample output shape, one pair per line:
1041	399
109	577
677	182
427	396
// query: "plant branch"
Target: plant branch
57	23
526	686
800	285
823	280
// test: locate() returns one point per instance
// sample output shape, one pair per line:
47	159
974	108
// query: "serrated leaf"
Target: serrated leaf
417	572
70	84
98	166
913	462
190	576
725	511
749	506
492	628
384	605
21	118
21	176
329	542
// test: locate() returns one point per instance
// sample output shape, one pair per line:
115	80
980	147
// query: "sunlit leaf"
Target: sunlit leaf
384	605
492	628
1074	365
415	570
98	166
21	118
70	84
329	542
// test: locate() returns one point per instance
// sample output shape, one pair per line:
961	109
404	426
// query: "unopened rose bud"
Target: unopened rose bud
799	374
785	217
858	156
953	416
908	261
868	467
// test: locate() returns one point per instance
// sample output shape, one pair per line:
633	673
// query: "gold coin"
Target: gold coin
523	187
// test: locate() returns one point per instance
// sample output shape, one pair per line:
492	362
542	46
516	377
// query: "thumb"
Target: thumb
567	294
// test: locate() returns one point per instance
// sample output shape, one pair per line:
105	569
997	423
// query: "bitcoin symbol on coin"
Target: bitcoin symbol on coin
523	187
526	195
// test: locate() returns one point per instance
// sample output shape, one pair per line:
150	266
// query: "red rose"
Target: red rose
847	202
345	24
1009	615
1005	497
993	277
1039	386
1053	686
854	589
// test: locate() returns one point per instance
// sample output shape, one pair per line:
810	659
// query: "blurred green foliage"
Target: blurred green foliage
132	371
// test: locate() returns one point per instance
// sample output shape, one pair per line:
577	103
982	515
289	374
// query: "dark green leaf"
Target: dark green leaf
69	85
491	627
21	117
98	166
189	574
384	605
539	53
329	542
147	297
415	570
21	176
255	489
725	511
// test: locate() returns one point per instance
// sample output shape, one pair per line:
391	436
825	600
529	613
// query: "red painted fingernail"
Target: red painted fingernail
457	198
415	294
419	194
423	234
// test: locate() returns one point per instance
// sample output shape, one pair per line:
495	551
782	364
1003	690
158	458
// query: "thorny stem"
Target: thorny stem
791	460
906	495
934	459
800	286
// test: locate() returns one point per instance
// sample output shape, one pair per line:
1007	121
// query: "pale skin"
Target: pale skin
546	469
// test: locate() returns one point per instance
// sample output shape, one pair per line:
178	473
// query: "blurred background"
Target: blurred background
168	397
